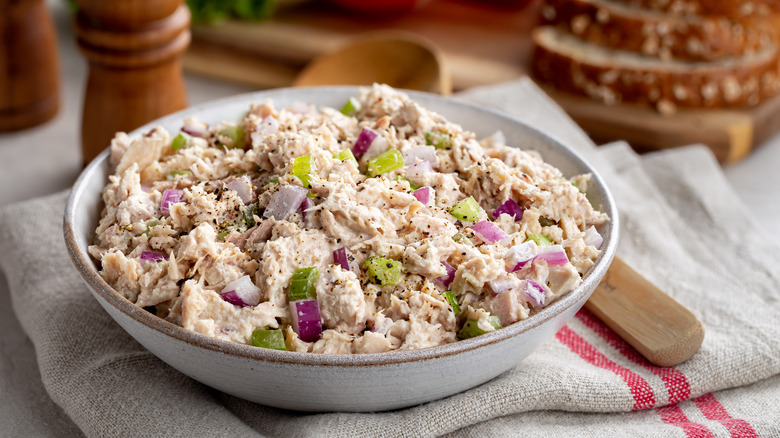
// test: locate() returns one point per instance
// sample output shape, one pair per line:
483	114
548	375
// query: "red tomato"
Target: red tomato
373	7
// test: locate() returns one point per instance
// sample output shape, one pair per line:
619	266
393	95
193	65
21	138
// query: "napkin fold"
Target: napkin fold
682	227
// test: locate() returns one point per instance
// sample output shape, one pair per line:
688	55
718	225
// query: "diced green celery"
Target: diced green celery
471	328
539	239
450	297
236	134
574	183
265	338
179	142
151	224
412	185
466	209
272	181
249	214
302	284
346	154
174	173
311	195
222	234
438	139
543	221
351	108
384	271
302	168
387	161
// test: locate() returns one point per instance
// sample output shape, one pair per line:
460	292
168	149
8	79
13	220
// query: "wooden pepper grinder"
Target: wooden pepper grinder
134	50
29	65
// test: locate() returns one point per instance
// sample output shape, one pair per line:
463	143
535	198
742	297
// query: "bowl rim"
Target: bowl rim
99	287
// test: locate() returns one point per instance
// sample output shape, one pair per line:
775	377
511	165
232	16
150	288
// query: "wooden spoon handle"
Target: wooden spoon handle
660	328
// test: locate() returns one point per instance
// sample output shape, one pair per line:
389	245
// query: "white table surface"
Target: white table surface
47	159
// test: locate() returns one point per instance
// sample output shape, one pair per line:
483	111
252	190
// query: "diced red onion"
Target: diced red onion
518	255
422	153
151	256
195	128
553	254
243	187
511	208
502	284
488	231
363	142
418	169
241	292
341	257
593	238
424	195
305	315
447	279
146	188
344	258
285	201
268	126
170	196
306	204
535	292
232	297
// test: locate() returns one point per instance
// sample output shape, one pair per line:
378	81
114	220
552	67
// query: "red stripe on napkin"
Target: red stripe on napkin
640	389
675	381
714	410
673	415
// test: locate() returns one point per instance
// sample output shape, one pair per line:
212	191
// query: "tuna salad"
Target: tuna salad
378	226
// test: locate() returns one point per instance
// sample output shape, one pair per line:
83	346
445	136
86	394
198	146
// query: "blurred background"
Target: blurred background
482	42
100	73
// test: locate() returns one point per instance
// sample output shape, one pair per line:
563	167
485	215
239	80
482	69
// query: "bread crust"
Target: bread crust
666	36
662	84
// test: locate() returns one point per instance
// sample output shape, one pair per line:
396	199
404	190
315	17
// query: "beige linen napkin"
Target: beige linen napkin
683	228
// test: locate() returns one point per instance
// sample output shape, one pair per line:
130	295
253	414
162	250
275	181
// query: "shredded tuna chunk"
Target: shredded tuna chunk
341	301
204	311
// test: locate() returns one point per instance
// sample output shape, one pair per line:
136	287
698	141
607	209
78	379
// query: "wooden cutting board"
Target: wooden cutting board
730	134
480	46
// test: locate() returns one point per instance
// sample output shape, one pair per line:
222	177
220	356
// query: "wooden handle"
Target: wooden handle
660	328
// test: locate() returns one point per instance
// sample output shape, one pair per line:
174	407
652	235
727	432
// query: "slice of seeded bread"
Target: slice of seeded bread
734	9
616	24
613	76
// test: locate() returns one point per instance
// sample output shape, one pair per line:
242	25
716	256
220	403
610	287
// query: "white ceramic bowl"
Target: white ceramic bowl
317	382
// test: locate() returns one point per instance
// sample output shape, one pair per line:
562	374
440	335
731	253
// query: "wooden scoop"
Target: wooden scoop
398	59
657	326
